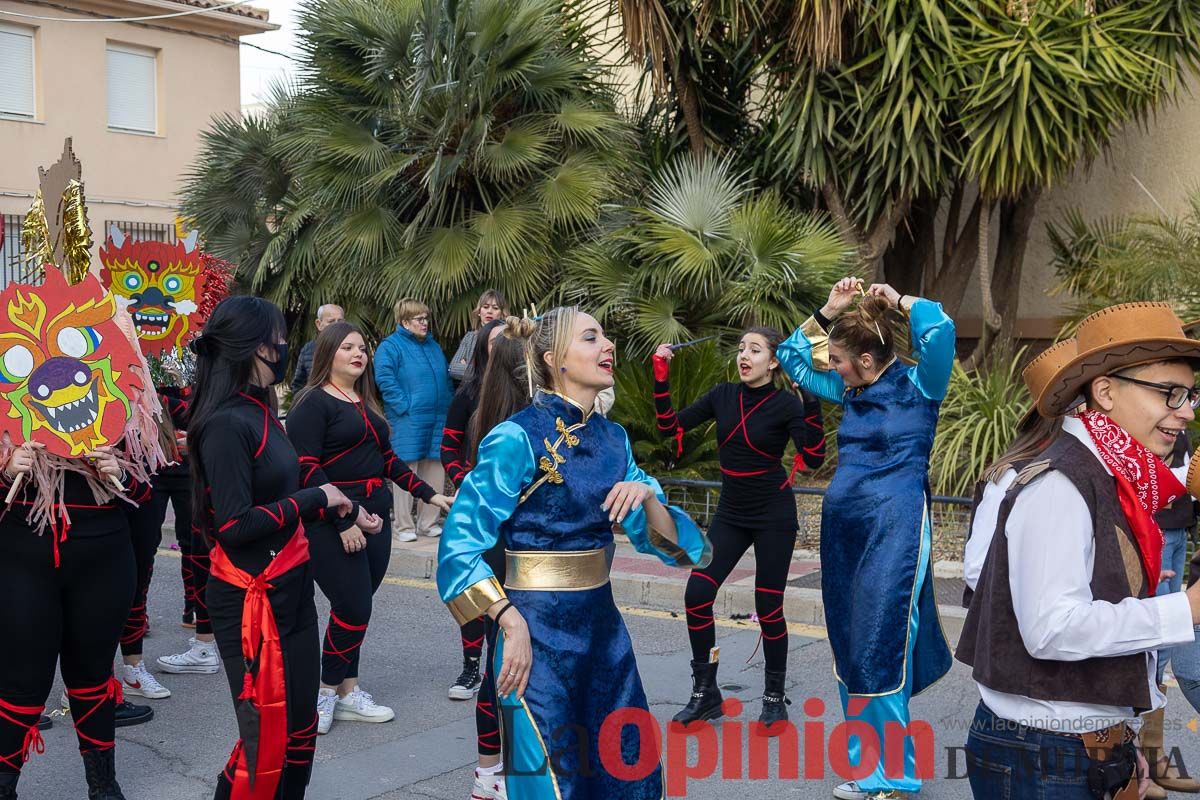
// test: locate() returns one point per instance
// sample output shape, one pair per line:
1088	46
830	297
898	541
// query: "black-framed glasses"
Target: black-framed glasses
1176	395
422	318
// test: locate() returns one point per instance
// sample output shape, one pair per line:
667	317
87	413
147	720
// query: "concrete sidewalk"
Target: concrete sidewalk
642	581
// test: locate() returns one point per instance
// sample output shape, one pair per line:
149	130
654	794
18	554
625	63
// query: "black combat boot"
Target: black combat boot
774	702
705	702
100	769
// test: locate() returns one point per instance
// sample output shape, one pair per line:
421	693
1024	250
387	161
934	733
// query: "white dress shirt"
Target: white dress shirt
983	526
1050	558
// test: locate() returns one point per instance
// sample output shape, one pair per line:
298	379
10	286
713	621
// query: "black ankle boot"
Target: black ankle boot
100	769
774	702
8	785
705	702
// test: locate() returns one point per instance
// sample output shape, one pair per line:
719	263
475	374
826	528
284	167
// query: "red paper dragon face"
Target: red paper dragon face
67	372
161	286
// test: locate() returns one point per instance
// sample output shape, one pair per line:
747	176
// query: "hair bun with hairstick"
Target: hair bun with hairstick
519	327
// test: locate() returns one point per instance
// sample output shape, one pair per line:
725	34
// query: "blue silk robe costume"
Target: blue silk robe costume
539	483
876	536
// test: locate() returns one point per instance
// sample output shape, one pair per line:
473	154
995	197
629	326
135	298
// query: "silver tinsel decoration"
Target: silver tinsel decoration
173	369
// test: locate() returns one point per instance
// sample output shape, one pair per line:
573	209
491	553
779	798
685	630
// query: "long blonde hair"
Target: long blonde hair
552	334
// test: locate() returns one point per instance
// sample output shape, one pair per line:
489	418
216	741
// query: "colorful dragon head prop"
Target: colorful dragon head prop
69	375
162	285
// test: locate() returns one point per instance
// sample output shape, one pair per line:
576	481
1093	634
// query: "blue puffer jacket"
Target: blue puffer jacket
413	380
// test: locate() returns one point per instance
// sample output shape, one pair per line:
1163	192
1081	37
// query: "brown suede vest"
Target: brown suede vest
991	639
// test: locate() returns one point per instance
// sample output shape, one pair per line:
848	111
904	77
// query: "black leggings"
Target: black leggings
72	615
350	581
145	527
296	619
773	555
175	488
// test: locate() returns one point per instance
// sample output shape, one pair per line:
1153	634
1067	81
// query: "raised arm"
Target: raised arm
933	340
488	497
805	358
670	423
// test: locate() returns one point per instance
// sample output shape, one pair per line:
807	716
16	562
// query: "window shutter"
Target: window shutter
16	65
132	87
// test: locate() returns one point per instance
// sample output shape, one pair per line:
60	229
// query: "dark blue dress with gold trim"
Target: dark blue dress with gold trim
539	483
876	534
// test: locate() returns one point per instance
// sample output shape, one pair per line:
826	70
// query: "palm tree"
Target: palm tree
944	116
431	148
707	255
1118	259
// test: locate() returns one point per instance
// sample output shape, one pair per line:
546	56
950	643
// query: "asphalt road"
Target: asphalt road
412	654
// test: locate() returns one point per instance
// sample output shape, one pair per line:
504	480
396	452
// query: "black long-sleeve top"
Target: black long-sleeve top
346	444
753	429
454	436
253	477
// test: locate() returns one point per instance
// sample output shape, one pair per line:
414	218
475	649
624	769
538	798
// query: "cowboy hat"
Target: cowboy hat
1112	339
1041	370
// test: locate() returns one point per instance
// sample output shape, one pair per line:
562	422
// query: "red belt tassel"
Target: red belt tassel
797	466
266	688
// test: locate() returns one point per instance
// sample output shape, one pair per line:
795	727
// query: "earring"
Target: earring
562	369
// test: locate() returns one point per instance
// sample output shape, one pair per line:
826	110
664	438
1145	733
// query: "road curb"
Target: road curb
802	606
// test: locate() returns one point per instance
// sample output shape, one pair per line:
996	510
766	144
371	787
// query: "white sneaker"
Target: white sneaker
849	791
358	706
326	703
200	659
138	681
403	536
433	532
489	787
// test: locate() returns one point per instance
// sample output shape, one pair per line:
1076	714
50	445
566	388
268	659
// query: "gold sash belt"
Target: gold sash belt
561	571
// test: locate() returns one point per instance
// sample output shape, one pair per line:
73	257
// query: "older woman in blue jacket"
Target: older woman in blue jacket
412	375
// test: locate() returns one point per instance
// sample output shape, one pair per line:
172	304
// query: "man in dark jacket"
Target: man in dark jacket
326	315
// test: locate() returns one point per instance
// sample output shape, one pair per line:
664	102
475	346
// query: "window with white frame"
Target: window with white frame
17	95
132	88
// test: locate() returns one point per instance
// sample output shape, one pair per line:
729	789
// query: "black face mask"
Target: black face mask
279	367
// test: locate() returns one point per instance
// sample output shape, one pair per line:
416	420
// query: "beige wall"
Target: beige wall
197	79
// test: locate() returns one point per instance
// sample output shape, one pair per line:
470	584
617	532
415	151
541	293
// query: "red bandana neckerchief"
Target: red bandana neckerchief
1144	485
264	684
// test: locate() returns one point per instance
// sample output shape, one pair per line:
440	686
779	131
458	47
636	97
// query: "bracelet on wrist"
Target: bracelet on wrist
507	606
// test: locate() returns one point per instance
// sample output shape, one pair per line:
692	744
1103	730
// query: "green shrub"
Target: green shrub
978	421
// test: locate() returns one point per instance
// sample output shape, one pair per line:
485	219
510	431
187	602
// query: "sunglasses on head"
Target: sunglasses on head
1176	395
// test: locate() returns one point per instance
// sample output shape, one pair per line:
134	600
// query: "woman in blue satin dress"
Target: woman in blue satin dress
551	482
876	580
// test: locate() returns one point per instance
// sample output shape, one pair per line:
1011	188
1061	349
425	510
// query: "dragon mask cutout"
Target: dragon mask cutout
69	376
161	285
